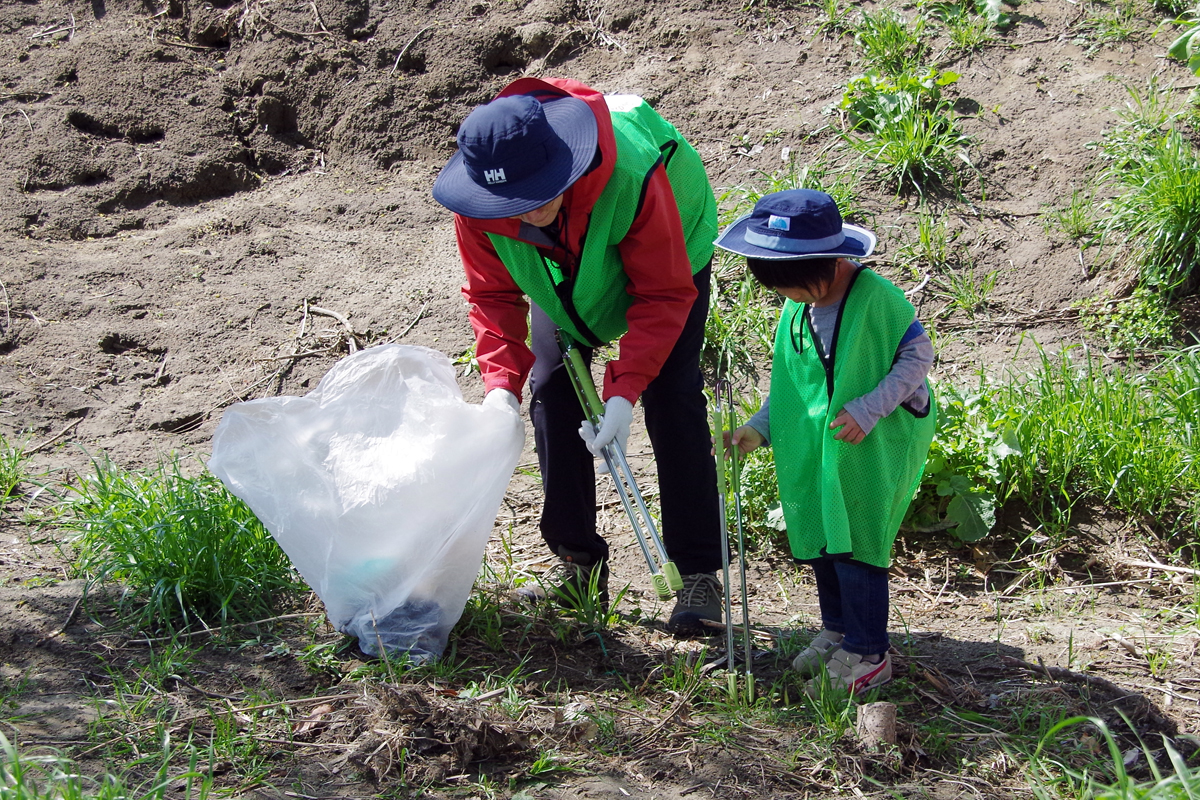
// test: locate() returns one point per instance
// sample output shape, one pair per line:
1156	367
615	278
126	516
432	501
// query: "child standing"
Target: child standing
849	414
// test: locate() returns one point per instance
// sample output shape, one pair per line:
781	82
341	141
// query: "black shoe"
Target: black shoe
569	582
699	599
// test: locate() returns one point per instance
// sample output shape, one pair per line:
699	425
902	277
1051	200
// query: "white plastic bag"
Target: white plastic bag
382	486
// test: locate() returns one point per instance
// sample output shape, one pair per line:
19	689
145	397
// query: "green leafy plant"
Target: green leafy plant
186	550
906	130
969	23
962	290
1111	434
1155	213
962	481
1144	320
1186	47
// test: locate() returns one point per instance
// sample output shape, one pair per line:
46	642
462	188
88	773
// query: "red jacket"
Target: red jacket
654	255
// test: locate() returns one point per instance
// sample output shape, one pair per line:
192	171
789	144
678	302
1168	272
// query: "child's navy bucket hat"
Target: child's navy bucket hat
517	153
796	224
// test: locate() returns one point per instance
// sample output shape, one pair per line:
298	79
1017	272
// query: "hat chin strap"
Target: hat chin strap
794	245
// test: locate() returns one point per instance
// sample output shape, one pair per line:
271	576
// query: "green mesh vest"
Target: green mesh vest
844	499
597	294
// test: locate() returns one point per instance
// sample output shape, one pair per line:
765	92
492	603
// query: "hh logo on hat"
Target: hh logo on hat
779	223
494	176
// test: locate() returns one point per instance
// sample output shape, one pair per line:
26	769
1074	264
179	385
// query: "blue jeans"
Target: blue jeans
854	602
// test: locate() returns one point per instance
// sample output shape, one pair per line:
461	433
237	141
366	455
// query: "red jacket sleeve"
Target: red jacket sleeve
654	254
499	312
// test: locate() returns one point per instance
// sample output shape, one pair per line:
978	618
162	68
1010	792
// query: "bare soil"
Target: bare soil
185	187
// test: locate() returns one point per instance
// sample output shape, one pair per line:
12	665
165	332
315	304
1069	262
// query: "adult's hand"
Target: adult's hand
502	398
614	426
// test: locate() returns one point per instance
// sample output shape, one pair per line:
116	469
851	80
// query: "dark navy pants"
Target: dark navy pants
854	601
677	422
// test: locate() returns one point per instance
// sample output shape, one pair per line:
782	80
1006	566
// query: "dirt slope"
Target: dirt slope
186	190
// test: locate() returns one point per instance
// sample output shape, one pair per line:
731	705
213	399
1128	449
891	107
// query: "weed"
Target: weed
586	604
889	43
1110	434
967	29
1155	212
549	762
1143	321
962	481
907	130
51	777
12	467
1109	23
188	551
933	247
1107	779
1077	220
835	18
963	291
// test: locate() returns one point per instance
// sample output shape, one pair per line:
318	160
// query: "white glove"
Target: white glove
614	426
502	398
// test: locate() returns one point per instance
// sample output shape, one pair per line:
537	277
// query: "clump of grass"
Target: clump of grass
184	548
1076	219
1108	778
908	132
52	777
12	468
1155	213
1113	435
889	43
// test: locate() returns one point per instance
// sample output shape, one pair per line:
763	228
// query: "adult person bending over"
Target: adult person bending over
596	209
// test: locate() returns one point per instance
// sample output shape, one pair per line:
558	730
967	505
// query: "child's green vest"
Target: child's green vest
843	499
591	306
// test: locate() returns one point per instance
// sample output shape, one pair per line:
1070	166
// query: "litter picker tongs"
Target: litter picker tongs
723	414
663	572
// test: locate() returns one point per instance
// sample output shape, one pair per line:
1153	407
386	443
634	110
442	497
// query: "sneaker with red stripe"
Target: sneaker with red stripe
849	671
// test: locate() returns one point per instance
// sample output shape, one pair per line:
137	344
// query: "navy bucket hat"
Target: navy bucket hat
796	224
517	153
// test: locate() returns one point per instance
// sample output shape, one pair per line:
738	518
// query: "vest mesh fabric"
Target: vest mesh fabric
599	294
842	499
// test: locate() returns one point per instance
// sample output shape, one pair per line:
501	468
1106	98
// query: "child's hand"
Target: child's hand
747	438
850	433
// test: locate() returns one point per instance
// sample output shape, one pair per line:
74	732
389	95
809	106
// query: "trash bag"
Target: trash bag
382	486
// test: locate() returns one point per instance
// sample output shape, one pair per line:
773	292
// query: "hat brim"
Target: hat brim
575	124
859	243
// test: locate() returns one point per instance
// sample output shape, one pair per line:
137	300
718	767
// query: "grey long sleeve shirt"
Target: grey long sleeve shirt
904	383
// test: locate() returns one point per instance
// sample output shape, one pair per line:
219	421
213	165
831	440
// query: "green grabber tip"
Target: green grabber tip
674	580
660	586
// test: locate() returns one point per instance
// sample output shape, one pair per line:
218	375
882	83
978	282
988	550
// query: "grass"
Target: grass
906	131
13	459
1072	418
1099	778
52	777
185	551
1076	219
889	43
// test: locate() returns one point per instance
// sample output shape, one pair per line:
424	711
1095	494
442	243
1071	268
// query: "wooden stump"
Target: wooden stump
876	724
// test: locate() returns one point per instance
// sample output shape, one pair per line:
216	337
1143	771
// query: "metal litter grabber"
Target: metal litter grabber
723	415
663	572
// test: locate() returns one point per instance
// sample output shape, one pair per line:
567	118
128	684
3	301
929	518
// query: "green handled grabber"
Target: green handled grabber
736	486
666	579
718	415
